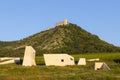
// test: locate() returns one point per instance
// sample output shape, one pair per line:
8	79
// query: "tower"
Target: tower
65	22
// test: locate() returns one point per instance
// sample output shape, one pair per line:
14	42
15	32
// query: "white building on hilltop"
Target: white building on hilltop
65	22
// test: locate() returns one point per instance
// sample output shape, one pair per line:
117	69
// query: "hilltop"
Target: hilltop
68	38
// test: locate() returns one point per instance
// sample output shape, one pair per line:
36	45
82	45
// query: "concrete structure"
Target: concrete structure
96	59
65	22
101	65
8	60
29	57
58	59
82	61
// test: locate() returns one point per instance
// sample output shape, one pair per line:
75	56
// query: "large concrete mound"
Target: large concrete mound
58	59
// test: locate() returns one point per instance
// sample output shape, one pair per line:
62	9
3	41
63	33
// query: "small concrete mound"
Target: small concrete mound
8	60
101	65
82	61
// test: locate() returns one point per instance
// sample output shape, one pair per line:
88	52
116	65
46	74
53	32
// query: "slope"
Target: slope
68	38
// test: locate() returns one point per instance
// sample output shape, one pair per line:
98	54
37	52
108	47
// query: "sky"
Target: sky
22	18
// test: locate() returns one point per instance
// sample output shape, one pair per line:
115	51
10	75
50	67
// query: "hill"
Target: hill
68	38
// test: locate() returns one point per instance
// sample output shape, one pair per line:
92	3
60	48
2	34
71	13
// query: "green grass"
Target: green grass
42	72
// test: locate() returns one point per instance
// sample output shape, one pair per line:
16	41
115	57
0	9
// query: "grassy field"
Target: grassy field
42	72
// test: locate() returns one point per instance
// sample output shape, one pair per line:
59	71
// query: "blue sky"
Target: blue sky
22	18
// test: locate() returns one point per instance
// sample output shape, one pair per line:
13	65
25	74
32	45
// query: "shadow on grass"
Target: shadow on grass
40	64
117	61
76	62
19	62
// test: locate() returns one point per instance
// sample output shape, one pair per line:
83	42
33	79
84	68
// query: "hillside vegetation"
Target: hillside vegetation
68	38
